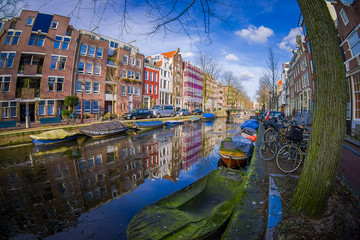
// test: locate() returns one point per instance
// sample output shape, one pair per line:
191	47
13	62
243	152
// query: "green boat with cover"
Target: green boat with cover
197	211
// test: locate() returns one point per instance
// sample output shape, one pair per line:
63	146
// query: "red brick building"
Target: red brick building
348	26
151	84
37	57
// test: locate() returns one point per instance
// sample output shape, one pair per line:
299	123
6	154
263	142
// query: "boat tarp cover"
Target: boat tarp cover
194	118
106	126
252	123
195	212
53	134
208	115
243	144
149	124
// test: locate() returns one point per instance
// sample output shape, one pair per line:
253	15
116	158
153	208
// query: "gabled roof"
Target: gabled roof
169	54
279	82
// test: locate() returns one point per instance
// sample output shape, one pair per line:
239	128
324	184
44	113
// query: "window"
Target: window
155	77
132	61
30	21
125	59
96	87
124	74
55	59
344	17
131	74
81	66
151	76
83	49
78	86
114	44
137	91
55	81
138	63
155	89
12	37
146	75
36	40
91	52
303	64
137	76
50	107
88	87
42	108
62	42
97	71
8	107
5	83
151	89
356	82
87	106
354	42
146	88
130	90
54	24
89	68
164	73
95	106
7	59
99	53
123	90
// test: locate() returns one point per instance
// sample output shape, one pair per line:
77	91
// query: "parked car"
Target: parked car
197	112
163	111
138	113
183	112
272	114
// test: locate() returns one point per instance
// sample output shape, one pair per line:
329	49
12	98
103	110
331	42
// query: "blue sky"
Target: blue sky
240	45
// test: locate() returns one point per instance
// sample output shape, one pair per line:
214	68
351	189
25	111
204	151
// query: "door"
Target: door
22	112
32	112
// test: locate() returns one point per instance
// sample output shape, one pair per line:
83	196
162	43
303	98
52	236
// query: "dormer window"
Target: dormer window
54	25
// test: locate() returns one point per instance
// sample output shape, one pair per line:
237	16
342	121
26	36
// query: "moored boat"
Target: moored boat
148	124
194	119
198	211
231	156
208	117
249	133
174	123
54	136
99	130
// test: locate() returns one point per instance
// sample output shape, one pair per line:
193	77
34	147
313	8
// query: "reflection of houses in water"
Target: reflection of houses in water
41	197
165	154
211	139
191	146
175	164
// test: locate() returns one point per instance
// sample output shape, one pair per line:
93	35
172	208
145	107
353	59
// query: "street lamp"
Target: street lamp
82	103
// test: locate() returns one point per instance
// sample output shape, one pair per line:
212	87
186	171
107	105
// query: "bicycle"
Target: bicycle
269	148
290	156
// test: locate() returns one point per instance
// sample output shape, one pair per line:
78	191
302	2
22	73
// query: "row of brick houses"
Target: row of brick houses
297	75
44	59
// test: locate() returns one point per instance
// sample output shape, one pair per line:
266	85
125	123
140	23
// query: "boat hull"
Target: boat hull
231	156
52	141
198	211
148	125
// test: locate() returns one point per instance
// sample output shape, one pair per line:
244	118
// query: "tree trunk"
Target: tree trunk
328	129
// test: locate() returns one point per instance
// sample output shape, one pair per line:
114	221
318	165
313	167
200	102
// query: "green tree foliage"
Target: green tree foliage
71	102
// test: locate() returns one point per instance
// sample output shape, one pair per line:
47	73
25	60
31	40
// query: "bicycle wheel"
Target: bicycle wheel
268	150
269	134
289	158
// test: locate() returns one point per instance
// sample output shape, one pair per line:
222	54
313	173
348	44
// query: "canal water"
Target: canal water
93	188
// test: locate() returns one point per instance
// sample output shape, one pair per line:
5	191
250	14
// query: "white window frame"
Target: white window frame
97	66
89	70
3	82
54	24
96	91
344	17
32	21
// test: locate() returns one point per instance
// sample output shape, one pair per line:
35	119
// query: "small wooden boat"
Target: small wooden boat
99	130
198	211
249	133
231	156
195	119
208	117
54	136
147	125
174	123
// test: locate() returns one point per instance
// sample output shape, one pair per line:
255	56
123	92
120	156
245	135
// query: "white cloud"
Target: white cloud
231	57
245	76
187	54
256	35
290	40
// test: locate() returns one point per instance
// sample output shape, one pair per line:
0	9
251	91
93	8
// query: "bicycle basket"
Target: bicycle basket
295	133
